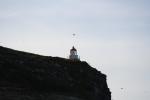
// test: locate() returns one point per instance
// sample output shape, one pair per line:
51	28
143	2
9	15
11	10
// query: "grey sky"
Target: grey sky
112	35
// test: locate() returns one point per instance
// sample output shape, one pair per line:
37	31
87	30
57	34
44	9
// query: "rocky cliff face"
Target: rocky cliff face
25	76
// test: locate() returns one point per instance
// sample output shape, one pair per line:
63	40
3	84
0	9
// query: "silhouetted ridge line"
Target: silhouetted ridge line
26	75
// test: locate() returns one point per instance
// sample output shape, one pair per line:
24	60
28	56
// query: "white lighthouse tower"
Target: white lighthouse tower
73	54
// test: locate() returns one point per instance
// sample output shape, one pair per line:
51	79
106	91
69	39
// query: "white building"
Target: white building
73	54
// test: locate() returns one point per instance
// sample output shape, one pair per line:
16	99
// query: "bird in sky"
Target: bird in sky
73	34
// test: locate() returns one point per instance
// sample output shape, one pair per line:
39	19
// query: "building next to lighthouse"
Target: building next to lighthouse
73	54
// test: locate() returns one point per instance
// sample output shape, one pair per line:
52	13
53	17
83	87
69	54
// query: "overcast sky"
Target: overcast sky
111	35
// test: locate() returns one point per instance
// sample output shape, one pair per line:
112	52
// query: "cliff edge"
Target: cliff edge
26	76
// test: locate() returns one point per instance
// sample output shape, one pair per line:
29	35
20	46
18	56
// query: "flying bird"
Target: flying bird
73	34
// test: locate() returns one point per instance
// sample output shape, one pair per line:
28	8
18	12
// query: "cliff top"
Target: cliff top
45	74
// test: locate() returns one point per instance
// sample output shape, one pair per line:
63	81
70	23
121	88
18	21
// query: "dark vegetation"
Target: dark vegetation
29	74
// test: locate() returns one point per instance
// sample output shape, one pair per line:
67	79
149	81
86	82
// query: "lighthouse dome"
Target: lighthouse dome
73	49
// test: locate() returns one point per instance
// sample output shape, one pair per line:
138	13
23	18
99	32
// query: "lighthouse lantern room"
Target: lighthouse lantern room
73	54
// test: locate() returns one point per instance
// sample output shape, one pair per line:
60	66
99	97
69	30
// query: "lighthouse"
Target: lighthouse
73	54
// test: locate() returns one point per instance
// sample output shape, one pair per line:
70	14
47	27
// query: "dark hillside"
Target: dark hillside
26	76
